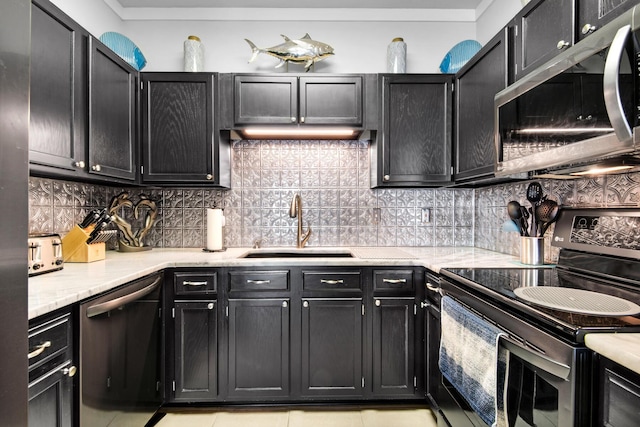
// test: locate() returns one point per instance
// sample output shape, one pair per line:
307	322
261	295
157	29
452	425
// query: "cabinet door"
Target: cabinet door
57	122
112	113
542	29
265	100
177	134
196	369
332	347
594	14
259	348
331	100
476	85
393	346
50	399
432	345
415	146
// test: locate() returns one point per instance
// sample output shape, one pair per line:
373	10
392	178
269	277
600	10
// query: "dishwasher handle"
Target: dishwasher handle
103	307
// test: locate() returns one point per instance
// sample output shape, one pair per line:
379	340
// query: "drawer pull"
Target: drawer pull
332	282
39	349
378	302
305	304
190	283
394	281
258	282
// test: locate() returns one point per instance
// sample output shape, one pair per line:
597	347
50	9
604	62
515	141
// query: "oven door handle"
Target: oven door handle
98	309
535	358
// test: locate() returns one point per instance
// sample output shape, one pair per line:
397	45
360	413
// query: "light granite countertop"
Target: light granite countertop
621	348
79	281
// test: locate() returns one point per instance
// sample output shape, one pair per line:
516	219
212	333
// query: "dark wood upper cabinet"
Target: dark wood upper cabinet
296	100
413	147
112	114
541	30
476	85
594	14
58	91
180	141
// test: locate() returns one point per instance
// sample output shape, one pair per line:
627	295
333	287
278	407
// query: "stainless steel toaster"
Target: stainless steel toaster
45	253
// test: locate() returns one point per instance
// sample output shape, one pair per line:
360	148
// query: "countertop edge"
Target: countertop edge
622	348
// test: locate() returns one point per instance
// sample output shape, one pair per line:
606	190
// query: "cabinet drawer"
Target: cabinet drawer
259	280
195	283
48	340
331	281
393	280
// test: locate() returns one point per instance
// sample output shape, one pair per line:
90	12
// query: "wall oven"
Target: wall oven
579	108
594	288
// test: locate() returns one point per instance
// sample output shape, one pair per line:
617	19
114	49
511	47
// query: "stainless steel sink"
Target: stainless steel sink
295	253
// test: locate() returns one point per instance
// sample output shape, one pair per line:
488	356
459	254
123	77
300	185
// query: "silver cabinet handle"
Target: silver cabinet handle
258	282
305	304
386	177
209	177
70	371
424	304
588	28
433	288
302	119
79	164
378	303
394	281
332	282
39	349
210	306
97	309
285	304
562	44
96	168
190	283
293	119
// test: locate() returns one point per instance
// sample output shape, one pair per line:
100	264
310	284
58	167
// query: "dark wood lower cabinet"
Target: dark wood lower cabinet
258	348
196	359
50	399
393	346
294	335
332	347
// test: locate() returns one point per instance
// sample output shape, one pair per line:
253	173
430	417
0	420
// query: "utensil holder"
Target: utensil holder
532	250
76	249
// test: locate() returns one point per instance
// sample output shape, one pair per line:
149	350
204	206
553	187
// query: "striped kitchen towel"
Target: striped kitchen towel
469	359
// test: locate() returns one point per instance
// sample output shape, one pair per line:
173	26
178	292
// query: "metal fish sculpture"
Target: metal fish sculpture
303	50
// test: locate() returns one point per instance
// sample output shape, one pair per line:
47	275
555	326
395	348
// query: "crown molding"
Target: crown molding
293	14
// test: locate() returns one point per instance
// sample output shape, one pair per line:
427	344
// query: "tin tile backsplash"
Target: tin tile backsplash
332	178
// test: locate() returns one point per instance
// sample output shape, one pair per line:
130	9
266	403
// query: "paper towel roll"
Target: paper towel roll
215	234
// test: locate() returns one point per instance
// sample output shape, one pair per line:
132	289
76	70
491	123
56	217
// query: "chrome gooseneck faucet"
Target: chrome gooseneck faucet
296	211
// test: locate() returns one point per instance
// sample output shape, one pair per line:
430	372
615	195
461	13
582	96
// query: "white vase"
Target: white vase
397	56
193	54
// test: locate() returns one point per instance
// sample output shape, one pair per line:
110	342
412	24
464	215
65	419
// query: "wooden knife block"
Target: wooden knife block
76	249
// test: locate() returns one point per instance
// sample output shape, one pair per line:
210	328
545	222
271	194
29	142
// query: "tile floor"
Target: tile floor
332	417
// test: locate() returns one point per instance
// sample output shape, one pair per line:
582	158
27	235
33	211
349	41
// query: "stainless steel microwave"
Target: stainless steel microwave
580	108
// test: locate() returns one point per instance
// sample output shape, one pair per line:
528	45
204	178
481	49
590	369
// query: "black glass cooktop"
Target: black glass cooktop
499	284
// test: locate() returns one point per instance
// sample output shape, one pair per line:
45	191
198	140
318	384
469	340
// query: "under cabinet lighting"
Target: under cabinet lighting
561	130
302	133
603	170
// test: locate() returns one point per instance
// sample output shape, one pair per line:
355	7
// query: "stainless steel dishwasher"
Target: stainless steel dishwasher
120	355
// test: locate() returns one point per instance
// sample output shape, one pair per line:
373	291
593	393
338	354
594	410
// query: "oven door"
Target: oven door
538	390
